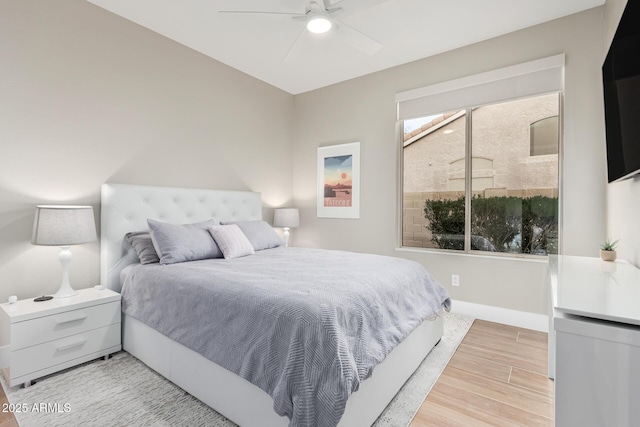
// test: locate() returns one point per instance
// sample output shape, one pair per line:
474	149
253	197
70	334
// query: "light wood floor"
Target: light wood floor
6	418
497	377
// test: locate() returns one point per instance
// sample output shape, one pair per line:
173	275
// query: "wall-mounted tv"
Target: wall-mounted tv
621	80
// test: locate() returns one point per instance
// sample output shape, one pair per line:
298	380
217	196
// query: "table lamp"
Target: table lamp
63	226
286	218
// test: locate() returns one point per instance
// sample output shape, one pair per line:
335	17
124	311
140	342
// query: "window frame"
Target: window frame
469	183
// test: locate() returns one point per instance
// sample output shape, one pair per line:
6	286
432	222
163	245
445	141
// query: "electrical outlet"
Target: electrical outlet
455	280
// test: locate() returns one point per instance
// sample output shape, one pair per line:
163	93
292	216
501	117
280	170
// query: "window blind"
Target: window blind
537	77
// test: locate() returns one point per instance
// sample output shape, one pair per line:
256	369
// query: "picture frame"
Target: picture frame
338	192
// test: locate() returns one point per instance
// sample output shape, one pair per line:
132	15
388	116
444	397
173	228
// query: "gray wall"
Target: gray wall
363	110
623	198
87	97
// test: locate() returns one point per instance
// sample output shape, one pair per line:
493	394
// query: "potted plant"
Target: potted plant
608	250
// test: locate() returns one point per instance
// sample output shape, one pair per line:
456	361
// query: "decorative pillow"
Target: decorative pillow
231	240
143	245
186	242
260	234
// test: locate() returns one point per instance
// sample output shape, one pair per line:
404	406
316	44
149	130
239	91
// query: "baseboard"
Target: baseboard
4	356
521	319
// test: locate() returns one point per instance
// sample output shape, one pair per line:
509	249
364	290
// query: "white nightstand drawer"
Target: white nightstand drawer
49	328
49	354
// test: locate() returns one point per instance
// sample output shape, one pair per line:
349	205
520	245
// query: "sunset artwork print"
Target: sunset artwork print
338	188
339	181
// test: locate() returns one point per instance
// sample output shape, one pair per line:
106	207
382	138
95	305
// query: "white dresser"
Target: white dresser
594	340
46	337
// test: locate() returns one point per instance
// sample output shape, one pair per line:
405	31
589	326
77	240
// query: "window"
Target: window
476	179
480	160
544	136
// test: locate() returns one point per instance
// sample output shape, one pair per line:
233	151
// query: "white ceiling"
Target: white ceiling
408	30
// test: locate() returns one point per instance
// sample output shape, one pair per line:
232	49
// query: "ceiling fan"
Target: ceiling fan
320	18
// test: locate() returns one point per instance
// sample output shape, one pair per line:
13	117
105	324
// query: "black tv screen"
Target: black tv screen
621	81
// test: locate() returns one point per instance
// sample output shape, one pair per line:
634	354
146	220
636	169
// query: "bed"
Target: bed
126	208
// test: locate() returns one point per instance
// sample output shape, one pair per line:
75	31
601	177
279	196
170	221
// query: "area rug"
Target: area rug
122	391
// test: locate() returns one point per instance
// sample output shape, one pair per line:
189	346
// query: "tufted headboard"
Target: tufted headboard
126	208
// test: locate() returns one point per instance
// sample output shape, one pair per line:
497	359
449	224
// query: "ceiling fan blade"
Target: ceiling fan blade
330	3
356	6
294	50
257	12
357	39
331	12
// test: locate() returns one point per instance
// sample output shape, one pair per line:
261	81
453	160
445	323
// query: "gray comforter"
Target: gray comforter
305	325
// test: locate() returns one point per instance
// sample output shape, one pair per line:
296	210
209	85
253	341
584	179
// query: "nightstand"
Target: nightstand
46	337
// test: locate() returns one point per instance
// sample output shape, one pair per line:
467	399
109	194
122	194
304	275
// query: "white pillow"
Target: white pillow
231	241
260	234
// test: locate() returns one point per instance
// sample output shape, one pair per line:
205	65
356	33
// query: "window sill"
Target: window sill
504	257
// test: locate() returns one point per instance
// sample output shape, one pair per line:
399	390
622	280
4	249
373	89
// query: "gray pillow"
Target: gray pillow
186	242
260	234
141	242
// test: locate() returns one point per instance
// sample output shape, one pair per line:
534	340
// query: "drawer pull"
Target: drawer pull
73	319
70	346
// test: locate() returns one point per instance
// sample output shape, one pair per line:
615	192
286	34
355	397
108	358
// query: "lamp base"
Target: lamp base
43	298
65	287
286	237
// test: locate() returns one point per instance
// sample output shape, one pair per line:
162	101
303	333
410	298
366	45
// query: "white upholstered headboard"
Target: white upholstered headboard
127	207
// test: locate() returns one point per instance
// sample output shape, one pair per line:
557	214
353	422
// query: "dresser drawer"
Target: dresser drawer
52	353
49	328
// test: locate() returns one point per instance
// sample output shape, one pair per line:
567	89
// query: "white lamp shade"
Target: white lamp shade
63	225
286	217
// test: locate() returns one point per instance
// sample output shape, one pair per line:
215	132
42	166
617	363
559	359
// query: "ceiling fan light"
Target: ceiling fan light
319	25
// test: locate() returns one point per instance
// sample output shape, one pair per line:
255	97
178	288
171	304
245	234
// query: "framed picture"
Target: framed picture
339	181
